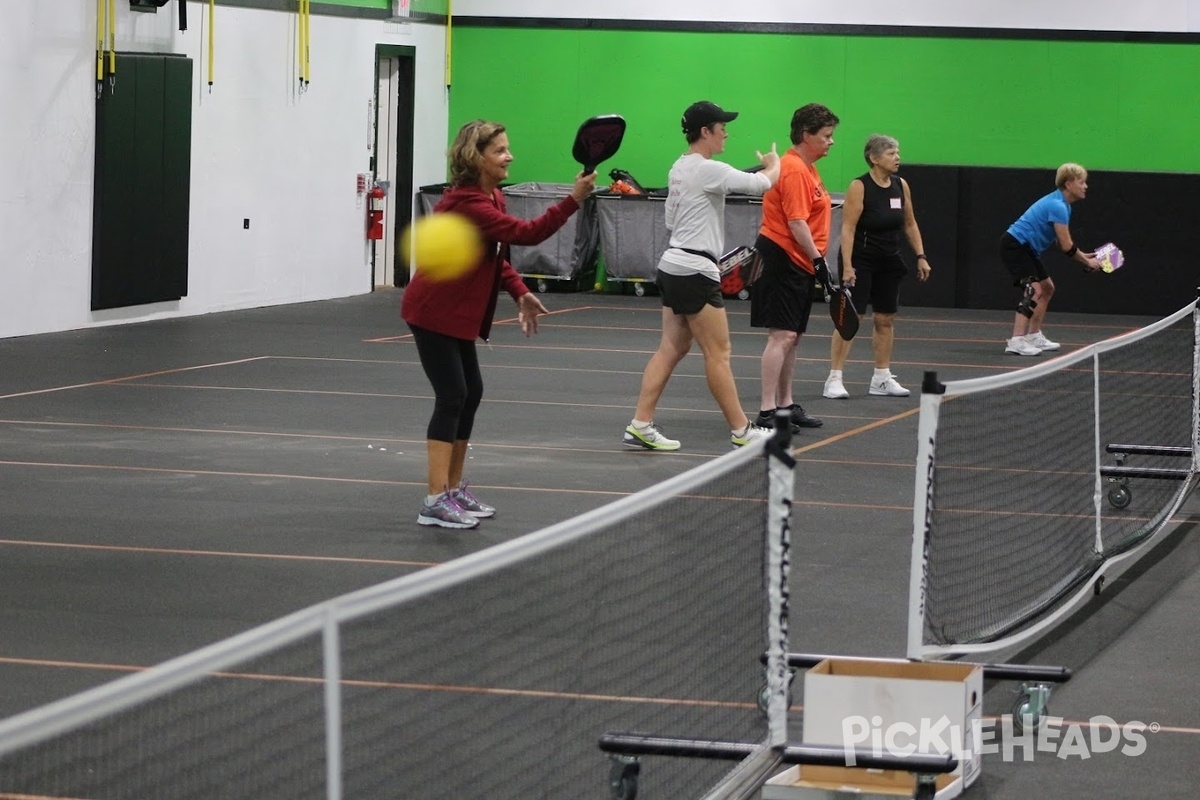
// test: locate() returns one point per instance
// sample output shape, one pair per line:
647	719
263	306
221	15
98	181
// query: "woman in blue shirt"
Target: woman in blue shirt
1044	223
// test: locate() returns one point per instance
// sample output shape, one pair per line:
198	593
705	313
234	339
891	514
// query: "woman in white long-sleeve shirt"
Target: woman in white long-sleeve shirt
689	280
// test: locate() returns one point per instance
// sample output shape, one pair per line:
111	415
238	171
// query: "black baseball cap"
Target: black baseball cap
702	114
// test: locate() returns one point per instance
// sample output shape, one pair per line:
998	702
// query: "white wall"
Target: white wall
259	150
1118	15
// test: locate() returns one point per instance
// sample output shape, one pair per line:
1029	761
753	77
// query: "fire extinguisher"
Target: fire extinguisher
375	199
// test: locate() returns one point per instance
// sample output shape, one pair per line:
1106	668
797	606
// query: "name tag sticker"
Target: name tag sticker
895	202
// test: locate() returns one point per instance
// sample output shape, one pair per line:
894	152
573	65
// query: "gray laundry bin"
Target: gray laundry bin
567	260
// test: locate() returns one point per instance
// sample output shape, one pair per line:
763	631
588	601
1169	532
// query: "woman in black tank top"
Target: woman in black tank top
876	212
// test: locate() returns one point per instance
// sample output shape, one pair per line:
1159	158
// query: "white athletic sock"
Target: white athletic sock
641	426
430	499
835	373
883	374
740	432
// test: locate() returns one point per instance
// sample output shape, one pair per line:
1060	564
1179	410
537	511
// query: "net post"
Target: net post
1098	448
1195	439
932	391
782	424
332	651
777	559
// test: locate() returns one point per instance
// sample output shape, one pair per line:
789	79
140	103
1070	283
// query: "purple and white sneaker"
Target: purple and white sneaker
445	512
470	503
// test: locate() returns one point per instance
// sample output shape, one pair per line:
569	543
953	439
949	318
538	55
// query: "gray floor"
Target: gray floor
168	484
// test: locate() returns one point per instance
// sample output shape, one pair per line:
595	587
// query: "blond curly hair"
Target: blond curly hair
466	153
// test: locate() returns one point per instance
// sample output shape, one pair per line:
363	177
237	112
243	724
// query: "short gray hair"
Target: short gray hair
877	144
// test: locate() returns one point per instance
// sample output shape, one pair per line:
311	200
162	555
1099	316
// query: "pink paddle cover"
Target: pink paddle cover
1110	257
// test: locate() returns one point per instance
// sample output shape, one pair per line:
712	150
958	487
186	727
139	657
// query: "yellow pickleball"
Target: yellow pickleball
442	246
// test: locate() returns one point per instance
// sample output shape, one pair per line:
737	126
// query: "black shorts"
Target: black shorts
688	294
876	281
1020	260
782	296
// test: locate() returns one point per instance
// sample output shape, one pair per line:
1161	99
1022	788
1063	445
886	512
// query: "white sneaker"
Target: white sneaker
650	437
888	387
835	389
1020	346
751	433
1039	340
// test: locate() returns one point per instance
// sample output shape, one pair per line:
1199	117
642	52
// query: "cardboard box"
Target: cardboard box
840	783
888	706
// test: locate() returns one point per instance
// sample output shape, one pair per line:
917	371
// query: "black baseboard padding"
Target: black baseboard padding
963	211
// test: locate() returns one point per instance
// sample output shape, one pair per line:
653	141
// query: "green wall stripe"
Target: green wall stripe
989	102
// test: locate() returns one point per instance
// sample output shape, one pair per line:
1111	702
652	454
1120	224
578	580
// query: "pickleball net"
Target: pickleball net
1031	485
490	676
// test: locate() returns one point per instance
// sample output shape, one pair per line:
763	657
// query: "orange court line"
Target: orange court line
329	479
109	381
525	488
496	691
44	662
328	437
401	685
489	690
216	473
823	359
899	335
389	395
171	551
837	437
380	482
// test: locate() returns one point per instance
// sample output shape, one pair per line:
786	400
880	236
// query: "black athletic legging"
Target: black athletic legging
452	366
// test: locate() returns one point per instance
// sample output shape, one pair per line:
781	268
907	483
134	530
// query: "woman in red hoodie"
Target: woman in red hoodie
446	317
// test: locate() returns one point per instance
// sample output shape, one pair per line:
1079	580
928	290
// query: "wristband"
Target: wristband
821	271
1074	249
921	257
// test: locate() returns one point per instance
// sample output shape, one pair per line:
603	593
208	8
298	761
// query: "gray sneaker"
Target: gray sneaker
470	503
445	512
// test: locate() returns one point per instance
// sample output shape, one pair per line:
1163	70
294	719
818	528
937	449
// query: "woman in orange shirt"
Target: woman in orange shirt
793	240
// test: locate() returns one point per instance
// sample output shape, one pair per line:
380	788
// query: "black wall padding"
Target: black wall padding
963	211
142	182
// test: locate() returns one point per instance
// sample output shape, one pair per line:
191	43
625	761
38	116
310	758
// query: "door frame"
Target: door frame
392	156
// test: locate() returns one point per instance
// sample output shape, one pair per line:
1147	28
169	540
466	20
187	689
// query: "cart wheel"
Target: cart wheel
926	788
1120	497
542	286
1025	712
639	289
623	777
743	294
1098	586
764	693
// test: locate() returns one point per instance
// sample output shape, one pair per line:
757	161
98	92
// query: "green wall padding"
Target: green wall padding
982	102
141	194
